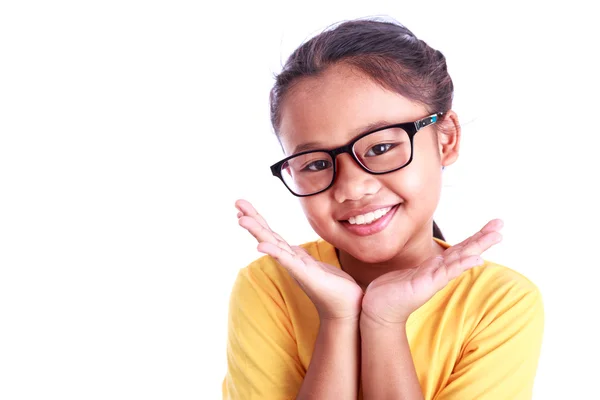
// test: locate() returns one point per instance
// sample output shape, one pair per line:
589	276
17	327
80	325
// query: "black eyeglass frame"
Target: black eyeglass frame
411	129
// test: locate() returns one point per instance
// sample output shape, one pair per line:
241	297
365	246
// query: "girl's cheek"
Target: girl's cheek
314	208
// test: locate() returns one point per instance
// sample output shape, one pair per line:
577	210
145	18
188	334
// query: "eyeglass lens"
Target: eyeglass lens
381	151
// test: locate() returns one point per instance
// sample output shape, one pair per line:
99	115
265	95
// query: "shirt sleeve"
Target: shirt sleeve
262	354
499	359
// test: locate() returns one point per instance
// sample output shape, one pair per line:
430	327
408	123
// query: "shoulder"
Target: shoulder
496	280
496	294
487	289
491	279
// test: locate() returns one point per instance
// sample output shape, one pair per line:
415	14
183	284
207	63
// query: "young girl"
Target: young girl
380	307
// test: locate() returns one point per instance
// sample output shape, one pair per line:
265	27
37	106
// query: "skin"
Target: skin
385	276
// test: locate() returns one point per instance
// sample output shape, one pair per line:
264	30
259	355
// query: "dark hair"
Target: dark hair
385	51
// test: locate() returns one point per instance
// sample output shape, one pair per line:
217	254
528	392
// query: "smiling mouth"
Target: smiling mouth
372	222
370	217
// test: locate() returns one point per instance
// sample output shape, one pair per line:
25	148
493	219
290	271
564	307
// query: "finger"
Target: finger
290	261
477	243
475	247
445	271
249	210
240	214
262	234
492	226
481	243
301	252
310	261
304	256
278	237
238	206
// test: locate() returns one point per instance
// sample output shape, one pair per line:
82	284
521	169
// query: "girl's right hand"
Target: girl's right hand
335	294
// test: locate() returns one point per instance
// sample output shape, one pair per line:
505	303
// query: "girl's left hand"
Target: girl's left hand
392	297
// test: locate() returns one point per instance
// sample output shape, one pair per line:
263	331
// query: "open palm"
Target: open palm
334	293
392	297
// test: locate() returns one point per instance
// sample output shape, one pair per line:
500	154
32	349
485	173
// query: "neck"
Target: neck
413	253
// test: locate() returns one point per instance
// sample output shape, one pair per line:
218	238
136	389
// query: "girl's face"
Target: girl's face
330	110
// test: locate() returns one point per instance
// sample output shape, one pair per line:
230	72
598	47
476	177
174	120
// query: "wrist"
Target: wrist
339	330
374	323
351	321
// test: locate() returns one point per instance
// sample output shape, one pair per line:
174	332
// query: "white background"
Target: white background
128	129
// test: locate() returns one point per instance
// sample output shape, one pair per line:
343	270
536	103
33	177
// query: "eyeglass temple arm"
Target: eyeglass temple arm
432	119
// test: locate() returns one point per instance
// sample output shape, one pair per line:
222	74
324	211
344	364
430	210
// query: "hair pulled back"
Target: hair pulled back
387	52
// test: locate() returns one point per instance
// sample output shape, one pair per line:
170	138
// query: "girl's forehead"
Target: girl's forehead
338	105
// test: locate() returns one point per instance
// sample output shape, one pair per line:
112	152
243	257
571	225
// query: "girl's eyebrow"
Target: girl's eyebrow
373	126
366	128
307	146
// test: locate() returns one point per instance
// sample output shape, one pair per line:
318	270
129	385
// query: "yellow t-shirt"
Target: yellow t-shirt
478	338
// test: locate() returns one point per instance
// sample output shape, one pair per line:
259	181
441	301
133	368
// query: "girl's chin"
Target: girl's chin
373	254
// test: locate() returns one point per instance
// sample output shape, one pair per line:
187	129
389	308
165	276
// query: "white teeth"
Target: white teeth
369	217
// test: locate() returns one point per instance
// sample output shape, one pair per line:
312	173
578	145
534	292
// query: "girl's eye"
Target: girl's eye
379	149
318	165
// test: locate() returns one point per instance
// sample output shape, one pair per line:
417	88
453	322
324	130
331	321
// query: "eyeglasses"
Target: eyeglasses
380	151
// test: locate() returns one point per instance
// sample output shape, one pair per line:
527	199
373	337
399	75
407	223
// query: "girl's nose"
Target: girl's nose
351	181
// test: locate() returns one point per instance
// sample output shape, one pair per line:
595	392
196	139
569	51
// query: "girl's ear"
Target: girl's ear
449	138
